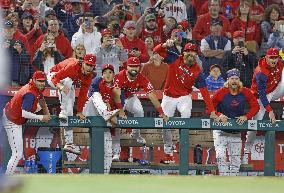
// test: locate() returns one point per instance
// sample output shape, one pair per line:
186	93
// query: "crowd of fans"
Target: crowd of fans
231	34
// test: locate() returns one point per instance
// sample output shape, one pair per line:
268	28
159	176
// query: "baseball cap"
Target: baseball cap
233	72
184	24
50	12
107	66
27	15
215	66
215	22
8	24
75	1
90	59
133	61
106	32
130	24
190	47
39	75
272	52
150	17
238	34
5	4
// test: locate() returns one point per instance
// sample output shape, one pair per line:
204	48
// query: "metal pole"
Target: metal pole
96	150
183	152
269	156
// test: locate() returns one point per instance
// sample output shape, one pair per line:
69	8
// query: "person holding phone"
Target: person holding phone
241	58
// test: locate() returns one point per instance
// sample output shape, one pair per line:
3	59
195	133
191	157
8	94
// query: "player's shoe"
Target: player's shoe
245	158
71	148
62	116
138	138
168	159
115	158
111	114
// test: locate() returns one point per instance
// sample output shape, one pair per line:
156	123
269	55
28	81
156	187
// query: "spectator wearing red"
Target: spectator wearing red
198	4
135	46
280	3
61	42
202	27
233	4
244	23
256	10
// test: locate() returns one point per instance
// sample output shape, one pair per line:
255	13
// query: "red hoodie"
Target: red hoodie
62	44
136	43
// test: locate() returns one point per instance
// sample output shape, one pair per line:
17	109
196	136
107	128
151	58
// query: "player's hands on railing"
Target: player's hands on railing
165	117
81	116
241	119
46	118
272	117
222	118
214	116
122	114
63	88
113	121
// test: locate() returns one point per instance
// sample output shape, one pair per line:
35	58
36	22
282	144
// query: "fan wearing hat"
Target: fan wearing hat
267	85
214	81
101	103
131	81
63	76
230	102
18	110
183	73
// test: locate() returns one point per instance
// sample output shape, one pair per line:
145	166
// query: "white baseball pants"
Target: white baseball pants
169	105
233	144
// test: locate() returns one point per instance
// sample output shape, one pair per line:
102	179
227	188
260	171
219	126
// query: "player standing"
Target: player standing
183	73
62	77
23	105
267	85
230	103
130	81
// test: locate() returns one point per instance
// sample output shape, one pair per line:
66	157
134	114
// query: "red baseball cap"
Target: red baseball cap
238	34
272	52
90	59
133	61
190	47
39	75
106	32
184	24
107	66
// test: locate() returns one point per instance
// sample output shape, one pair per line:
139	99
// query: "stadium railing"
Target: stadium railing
98	126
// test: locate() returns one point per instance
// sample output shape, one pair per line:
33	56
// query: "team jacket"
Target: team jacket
106	91
72	68
265	80
130	87
13	109
234	105
181	77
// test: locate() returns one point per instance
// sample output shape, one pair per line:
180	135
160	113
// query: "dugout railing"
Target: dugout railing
97	127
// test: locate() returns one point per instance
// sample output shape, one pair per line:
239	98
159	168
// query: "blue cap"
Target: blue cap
233	72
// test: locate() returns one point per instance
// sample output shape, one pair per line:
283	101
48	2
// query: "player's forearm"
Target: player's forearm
29	115
44	107
206	97
116	98
156	103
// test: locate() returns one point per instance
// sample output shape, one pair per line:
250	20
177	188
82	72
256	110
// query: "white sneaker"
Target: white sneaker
62	115
138	138
115	158
245	158
111	114
71	148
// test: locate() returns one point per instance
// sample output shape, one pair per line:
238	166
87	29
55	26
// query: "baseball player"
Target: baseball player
130	81
61	77
100	103
230	102
23	105
183	72
267	85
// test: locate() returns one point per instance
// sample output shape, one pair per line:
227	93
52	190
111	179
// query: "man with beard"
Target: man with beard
23	105
130	81
183	73
62	77
267	85
230	103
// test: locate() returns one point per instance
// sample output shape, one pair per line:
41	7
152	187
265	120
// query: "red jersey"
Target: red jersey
202	26
181	77
71	68
265	80
136	43
156	35
130	87
13	109
234	4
